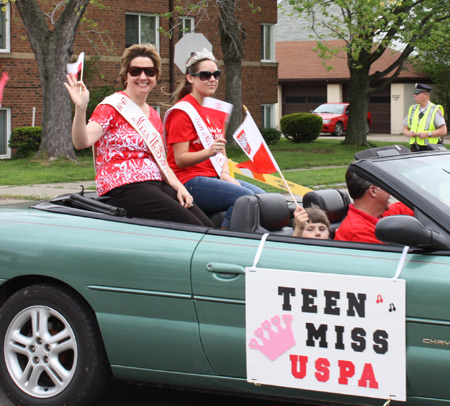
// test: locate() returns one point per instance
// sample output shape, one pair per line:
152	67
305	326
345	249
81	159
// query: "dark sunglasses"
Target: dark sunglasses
137	70
206	75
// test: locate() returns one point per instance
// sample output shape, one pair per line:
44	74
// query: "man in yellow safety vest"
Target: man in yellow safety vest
425	123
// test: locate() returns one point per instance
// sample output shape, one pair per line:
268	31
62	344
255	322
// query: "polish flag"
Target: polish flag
77	66
252	142
3	81
217	108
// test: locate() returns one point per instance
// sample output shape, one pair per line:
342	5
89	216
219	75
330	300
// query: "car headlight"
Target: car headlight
326	121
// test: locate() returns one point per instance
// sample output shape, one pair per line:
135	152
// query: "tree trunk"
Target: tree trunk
359	106
52	50
232	40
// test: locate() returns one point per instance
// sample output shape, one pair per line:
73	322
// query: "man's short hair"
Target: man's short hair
356	185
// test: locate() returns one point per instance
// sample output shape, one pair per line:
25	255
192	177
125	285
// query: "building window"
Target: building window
267	117
5	132
157	108
267	43
141	29
186	24
4	27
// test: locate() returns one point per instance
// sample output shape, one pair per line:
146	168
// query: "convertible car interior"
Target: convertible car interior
261	213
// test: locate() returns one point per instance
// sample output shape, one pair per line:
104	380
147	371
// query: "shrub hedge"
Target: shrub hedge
301	127
25	140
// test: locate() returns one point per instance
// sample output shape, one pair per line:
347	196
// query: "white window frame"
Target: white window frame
8	132
156	17
267	30
6	14
271	115
182	22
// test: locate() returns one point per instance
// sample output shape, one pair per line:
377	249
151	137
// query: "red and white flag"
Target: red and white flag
217	108
252	142
3	81
77	66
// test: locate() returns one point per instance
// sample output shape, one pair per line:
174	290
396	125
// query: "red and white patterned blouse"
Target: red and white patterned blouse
121	156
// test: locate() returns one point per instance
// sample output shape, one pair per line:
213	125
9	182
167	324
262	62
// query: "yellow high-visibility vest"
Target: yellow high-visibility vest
423	124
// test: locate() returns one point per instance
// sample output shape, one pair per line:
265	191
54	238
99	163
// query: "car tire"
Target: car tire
338	129
51	349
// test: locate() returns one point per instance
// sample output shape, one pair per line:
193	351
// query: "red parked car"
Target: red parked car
335	118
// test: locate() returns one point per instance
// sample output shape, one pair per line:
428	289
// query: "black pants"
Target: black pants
156	200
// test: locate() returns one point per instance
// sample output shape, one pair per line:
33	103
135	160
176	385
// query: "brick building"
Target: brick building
123	23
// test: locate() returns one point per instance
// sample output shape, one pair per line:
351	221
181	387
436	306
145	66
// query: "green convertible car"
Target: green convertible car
87	292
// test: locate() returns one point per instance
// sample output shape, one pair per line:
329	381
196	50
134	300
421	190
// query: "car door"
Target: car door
135	277
218	276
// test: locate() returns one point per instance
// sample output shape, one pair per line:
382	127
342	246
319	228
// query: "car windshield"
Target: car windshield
430	174
330	108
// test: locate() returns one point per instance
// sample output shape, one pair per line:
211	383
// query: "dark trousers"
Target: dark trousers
156	200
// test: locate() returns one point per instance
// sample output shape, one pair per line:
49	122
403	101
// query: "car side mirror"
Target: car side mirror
407	230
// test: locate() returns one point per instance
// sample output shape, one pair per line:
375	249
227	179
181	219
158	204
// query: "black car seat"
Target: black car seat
261	213
333	202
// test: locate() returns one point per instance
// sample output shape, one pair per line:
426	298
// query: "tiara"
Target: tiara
199	55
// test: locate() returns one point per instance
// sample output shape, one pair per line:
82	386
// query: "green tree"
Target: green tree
51	33
368	28
433	58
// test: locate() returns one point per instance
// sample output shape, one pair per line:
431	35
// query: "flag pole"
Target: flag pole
279	171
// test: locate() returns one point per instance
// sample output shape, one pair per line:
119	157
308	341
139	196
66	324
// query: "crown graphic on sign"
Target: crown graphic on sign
272	343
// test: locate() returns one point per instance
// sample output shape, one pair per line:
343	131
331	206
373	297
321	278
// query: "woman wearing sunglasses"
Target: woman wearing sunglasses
196	143
130	161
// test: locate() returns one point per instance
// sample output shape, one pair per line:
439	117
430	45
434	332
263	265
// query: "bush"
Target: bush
271	135
301	127
25	140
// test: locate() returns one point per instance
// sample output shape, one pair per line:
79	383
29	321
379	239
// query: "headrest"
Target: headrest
260	213
334	202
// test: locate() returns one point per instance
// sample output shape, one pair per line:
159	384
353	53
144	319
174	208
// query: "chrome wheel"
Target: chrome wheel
338	129
40	351
51	348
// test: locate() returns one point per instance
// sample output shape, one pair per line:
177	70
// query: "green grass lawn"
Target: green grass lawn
319	155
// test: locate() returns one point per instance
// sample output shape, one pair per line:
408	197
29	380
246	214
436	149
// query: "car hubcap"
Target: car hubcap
40	351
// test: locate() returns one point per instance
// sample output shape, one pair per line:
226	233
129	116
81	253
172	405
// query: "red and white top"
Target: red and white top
121	156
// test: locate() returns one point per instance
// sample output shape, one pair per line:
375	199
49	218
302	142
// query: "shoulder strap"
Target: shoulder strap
203	132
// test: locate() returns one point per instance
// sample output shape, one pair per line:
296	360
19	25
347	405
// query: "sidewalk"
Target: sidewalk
30	193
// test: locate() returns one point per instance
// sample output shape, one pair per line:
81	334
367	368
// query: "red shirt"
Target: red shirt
121	155
179	128
360	226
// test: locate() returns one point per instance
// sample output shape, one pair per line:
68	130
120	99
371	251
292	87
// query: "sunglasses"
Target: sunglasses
137	70
206	75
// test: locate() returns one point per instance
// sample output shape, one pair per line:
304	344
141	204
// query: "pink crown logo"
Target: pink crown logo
274	343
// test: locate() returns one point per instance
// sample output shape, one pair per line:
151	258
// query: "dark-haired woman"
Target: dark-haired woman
196	143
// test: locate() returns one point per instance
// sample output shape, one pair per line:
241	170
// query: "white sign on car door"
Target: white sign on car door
325	332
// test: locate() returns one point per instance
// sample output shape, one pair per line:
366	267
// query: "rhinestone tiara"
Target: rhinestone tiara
199	55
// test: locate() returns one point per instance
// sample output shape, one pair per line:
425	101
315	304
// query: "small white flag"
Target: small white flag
77	66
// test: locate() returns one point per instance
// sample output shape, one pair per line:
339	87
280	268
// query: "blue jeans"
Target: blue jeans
213	195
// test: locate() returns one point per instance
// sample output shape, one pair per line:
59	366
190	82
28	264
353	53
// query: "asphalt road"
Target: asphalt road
132	394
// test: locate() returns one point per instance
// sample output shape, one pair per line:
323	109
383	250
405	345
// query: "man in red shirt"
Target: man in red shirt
370	203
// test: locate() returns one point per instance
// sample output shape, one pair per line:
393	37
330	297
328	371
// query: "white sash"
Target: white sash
131	112
203	132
